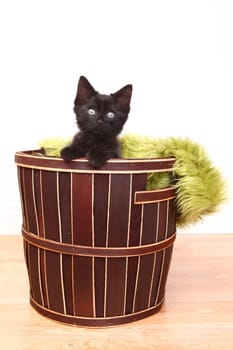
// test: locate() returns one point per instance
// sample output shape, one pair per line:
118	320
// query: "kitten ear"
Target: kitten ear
84	91
123	97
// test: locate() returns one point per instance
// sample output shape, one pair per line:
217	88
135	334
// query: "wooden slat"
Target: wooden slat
149	227
82	214
67	280
65	206
118	210
53	281
144	281
38	202
99	286
50	205
138	184
29	205
131	283
83	288
115	284
101	185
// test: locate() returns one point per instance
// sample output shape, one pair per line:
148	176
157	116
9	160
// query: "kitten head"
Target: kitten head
101	114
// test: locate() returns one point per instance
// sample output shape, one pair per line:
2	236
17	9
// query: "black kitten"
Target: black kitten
100	119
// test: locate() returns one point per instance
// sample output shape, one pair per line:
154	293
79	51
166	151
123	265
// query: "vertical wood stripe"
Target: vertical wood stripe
28	197
34	273
67	281
58	208
160	278
155	256
129	210
167	219
53	276
105	285
115	284
37	215
83	227
44	284
93	286
40	276
34	202
163	253
166	266
106	245
82	209
42	232
83	290
118	210
157	223
71	208
31	221
38	202
149	223
138	183
21	193
152	280
93	244
108	210
92	210
142	294
73	286
72	241
64	193
127	244
26	256
131	283
99	270
49	194
60	238
100	208
171	217
139	261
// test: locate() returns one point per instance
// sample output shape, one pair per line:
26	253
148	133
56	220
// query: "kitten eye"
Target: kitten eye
110	115
91	111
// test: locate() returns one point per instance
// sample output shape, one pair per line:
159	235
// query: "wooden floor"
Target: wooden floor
197	314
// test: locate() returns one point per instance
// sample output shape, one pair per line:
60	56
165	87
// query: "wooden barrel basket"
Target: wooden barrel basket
97	244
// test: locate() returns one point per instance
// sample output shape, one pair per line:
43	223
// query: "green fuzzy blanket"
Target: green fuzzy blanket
200	187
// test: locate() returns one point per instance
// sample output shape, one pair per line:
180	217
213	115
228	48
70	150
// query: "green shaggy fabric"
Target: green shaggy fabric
200	187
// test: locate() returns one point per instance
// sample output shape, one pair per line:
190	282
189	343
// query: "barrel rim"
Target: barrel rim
29	159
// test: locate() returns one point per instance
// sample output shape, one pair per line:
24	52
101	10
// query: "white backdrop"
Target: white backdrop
177	54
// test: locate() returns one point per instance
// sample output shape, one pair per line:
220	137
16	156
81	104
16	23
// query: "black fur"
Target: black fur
100	119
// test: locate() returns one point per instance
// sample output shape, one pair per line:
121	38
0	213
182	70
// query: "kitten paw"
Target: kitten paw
67	154
97	163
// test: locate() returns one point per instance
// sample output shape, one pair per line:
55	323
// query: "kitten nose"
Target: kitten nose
100	121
